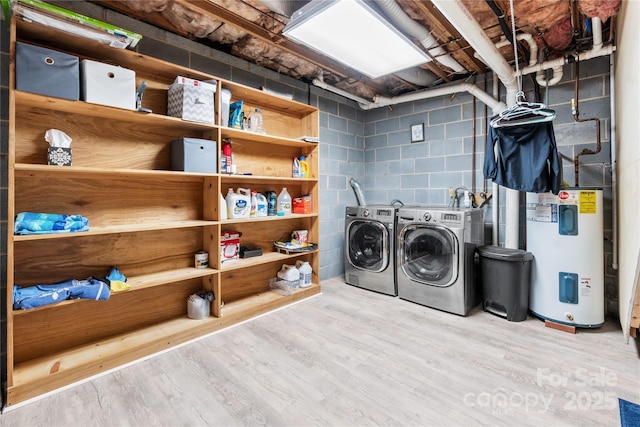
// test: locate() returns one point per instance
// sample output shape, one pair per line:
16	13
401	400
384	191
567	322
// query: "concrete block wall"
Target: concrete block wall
423	172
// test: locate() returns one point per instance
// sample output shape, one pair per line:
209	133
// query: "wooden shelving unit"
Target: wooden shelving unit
145	219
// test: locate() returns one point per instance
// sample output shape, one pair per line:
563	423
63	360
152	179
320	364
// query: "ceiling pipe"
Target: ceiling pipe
408	25
318	81
458	15
559	62
542	80
383	101
596	30
533	46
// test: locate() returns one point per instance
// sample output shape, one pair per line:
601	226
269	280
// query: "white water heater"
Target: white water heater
565	236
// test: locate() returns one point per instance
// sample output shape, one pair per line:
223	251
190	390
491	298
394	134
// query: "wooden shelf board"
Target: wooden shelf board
47	373
27	100
265	218
138	283
265	258
227	178
265	301
114	229
264	138
27	169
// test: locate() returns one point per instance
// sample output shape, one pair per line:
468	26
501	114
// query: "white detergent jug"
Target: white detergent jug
306	272
222	208
261	204
284	203
239	203
253	212
291	274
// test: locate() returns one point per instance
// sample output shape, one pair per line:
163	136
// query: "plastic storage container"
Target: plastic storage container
506	278
306	273
256	121
226	101
304	167
284	202
238	203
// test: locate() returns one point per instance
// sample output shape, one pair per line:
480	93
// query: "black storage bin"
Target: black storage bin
506	277
47	72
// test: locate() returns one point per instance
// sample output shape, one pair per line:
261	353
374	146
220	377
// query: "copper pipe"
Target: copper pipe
576	117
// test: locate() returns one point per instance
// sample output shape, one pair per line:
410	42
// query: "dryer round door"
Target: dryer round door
429	254
368	245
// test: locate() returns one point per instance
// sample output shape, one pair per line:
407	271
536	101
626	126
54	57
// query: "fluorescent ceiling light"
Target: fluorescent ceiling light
352	32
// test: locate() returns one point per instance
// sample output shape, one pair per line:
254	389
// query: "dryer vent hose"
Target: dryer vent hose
359	194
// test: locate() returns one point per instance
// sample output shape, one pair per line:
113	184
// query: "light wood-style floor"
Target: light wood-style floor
352	357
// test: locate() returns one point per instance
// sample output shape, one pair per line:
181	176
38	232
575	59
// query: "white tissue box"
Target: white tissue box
59	156
191	100
107	84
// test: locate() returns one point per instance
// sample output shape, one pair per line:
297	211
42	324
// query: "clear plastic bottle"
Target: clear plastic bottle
296	168
284	202
272	203
256	121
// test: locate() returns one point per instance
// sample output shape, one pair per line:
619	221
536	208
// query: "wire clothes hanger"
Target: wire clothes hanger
522	112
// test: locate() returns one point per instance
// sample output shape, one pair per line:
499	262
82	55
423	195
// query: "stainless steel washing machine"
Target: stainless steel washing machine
370	249
436	261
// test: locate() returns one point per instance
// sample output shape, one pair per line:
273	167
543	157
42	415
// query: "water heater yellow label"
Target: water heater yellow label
587	202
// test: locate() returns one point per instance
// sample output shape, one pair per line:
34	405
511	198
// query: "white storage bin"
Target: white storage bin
107	84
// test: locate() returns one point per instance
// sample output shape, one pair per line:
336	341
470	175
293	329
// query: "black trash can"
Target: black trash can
505	275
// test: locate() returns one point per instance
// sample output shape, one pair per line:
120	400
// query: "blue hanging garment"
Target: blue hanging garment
526	160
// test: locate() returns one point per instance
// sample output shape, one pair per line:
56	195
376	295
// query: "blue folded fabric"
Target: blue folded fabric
46	223
39	295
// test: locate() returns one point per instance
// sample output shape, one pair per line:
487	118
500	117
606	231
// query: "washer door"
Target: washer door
368	245
429	254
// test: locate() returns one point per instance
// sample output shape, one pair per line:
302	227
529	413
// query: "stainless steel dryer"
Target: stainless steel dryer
370	249
435	258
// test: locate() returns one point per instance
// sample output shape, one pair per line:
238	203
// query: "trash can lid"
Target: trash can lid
506	254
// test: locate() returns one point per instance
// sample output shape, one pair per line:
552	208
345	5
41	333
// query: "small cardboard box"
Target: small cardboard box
107	84
59	156
302	205
229	246
191	100
47	72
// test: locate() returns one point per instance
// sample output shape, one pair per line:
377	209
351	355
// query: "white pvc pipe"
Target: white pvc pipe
596	30
557	76
457	13
321	84
468	27
533	46
495	188
382	101
512	202
559	62
614	168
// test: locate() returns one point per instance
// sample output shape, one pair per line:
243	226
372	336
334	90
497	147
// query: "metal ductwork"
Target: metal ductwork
409	26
